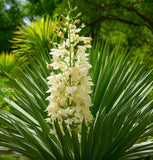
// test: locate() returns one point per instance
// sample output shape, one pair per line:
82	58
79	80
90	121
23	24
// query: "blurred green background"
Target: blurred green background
129	22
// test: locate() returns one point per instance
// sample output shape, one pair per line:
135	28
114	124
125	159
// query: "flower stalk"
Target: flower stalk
69	82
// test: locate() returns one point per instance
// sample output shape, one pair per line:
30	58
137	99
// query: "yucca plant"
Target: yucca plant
122	127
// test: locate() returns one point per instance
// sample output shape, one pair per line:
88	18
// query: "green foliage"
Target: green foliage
122	121
8	68
9	158
8	64
13	12
10	16
40	7
33	39
112	74
5	92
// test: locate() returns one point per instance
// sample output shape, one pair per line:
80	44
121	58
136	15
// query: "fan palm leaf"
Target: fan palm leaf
32	39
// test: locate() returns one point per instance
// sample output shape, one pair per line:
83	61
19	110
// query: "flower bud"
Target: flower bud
57	24
57	28
49	40
62	17
55	31
56	44
69	13
60	34
79	14
78	30
77	21
83	25
87	43
62	23
75	8
49	66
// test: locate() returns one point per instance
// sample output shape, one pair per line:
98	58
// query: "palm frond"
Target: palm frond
32	39
8	64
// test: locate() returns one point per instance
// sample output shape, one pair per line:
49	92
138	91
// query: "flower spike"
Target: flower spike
69	82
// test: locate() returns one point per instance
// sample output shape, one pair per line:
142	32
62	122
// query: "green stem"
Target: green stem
69	47
68	101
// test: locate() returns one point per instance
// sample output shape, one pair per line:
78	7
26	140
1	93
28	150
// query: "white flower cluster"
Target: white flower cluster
69	82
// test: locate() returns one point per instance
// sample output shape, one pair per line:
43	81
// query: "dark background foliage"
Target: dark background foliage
128	21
